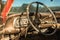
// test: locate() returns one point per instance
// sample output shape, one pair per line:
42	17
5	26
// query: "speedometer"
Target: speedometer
20	22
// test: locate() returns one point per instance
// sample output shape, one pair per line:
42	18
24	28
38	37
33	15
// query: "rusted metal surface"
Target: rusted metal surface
35	37
10	31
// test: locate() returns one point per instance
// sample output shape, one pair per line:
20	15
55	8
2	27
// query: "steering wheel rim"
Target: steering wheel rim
50	12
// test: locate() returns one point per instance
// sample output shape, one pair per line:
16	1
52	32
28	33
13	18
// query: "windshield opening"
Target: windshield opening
20	5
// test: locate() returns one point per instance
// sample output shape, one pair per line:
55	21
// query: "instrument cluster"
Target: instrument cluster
20	22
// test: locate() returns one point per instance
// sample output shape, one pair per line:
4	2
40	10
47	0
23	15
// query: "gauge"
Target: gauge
20	22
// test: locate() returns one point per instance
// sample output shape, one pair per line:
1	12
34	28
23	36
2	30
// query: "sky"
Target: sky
46	2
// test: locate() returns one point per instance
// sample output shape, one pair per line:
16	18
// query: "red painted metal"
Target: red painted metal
6	9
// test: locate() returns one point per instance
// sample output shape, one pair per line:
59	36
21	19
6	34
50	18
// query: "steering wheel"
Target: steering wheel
37	21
